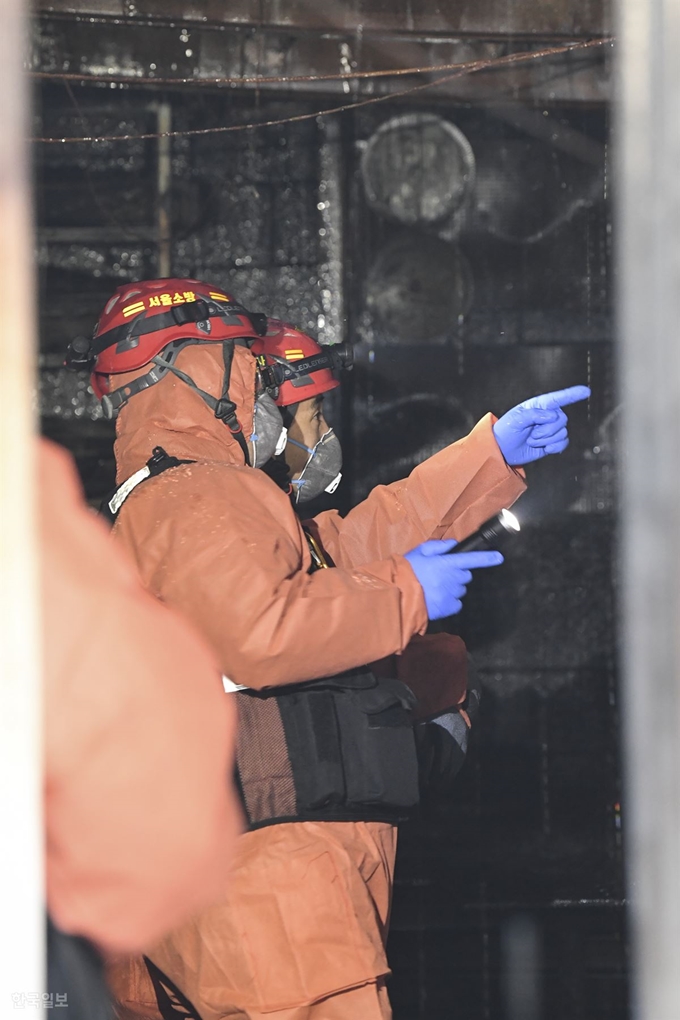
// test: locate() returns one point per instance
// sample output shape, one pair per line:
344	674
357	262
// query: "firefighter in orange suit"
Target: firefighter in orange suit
326	755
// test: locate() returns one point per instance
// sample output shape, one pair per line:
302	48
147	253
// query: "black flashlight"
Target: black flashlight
488	536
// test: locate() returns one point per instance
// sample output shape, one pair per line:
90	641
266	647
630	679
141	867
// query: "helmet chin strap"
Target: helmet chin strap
209	400
288	413
224	409
114	401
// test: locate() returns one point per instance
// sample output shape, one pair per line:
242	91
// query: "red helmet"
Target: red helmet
294	367
142	319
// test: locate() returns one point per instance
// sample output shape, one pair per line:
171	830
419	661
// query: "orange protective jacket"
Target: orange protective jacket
141	820
221	542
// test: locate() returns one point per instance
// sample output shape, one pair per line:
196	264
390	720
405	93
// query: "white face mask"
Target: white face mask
269	435
322	471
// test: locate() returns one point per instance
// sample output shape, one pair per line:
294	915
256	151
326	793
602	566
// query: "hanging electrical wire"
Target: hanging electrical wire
470	67
286	79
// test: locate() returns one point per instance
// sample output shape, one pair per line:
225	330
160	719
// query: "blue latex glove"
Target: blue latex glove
537	427
444	578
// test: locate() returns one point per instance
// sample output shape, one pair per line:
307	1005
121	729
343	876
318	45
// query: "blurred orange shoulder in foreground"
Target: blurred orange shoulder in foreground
141	817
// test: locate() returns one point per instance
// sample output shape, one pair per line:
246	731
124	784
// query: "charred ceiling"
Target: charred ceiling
410	17
205	40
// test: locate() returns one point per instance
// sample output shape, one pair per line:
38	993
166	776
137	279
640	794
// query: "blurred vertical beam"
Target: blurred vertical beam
521	968
164	121
331	206
649	320
331	201
21	868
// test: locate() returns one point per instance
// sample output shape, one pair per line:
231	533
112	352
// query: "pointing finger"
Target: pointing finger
529	414
560	398
473	560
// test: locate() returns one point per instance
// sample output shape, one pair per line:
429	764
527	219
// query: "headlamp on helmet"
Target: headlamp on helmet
293	366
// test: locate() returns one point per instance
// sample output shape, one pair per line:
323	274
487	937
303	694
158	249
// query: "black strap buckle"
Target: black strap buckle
160	461
194	312
225	411
259	322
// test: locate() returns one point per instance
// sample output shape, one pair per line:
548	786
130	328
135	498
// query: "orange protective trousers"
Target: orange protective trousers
299	936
